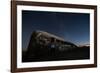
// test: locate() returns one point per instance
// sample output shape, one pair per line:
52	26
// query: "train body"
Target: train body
45	45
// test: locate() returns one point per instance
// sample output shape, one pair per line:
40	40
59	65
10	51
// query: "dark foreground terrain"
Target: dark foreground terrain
73	54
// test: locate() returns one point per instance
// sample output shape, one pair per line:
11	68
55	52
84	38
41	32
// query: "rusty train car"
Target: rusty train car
43	45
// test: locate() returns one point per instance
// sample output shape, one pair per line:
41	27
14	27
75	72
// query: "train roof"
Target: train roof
49	35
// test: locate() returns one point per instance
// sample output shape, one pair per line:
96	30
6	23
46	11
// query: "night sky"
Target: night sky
73	27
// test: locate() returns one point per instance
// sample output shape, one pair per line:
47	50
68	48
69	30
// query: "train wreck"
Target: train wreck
44	46
46	39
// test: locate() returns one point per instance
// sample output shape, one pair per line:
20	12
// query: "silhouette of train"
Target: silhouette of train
44	45
43	39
